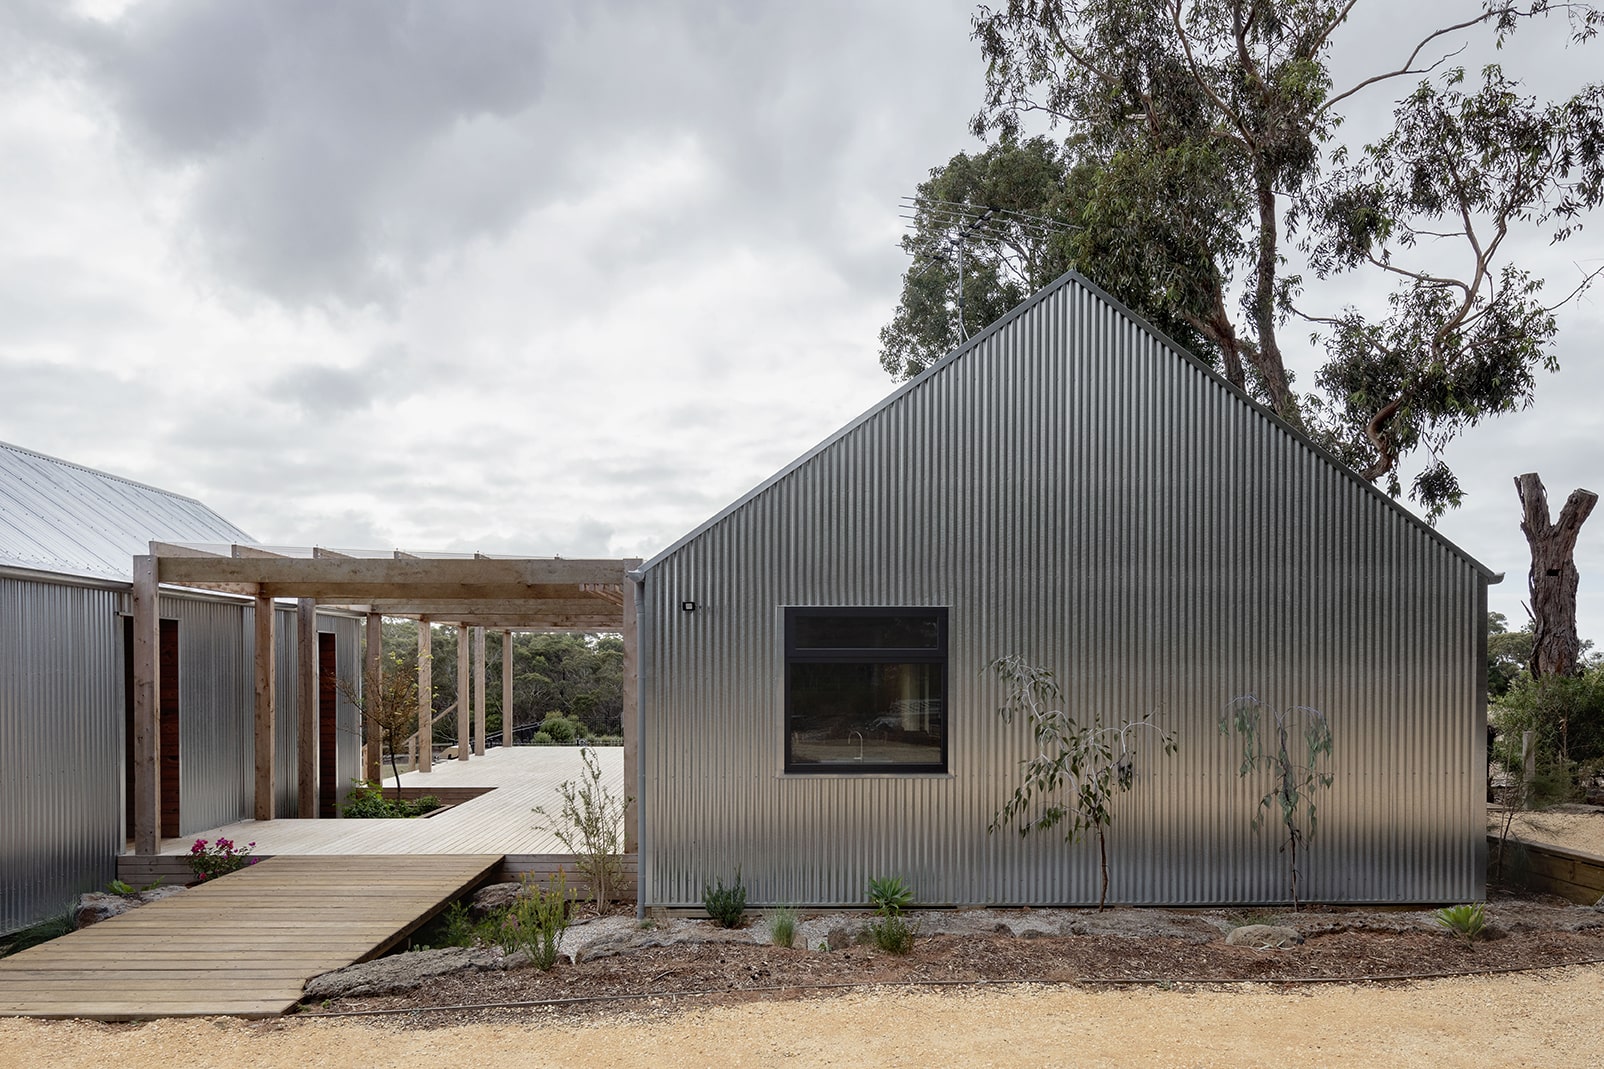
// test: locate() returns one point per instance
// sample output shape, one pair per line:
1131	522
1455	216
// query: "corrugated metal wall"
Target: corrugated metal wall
62	738
216	710
1078	493
61	754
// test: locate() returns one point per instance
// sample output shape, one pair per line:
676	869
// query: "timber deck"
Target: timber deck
502	821
243	945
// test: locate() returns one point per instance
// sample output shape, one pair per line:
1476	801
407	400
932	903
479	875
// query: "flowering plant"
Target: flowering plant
208	860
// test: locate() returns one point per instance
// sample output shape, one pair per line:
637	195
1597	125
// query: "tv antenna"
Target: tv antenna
961	222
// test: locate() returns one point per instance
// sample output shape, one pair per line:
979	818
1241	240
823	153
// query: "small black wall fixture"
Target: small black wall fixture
687	606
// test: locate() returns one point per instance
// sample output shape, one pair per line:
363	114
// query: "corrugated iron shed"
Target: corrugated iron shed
71	520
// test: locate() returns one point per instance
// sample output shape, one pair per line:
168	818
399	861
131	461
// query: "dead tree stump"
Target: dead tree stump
1552	581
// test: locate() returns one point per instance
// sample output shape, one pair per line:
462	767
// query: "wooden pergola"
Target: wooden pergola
473	593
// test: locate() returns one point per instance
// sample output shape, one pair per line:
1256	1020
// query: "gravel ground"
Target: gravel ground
1530	1019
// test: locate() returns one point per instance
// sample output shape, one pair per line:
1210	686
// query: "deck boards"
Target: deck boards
502	821
241	945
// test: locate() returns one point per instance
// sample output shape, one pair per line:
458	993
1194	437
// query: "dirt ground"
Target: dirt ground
1549	1018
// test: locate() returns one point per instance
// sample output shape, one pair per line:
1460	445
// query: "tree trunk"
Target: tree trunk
1552	580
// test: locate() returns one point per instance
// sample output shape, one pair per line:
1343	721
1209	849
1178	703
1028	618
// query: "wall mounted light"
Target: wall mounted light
687	606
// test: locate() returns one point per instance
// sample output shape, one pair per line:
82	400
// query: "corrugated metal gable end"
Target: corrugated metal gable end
64	518
1073	493
980	343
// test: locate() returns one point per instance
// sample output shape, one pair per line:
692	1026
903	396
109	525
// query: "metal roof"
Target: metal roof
60	517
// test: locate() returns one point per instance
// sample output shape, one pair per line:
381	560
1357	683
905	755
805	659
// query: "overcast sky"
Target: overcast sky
532	277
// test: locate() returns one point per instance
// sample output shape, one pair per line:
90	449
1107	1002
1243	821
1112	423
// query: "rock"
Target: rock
841	937
400	972
1263	937
99	905
493	897
612	944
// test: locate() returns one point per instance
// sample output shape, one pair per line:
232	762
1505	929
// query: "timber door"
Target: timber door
328	703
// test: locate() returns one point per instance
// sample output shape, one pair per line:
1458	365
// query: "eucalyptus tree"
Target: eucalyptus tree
1205	186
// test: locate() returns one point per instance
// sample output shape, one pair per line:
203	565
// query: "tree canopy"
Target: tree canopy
1200	180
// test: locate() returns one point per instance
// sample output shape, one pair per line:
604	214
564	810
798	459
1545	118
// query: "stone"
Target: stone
840	937
400	972
496	896
1264	937
97	906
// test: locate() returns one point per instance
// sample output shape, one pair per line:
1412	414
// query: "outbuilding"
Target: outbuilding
1072	488
68	537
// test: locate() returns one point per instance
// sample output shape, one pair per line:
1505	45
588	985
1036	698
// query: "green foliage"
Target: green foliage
209	860
1201	152
889	895
367	801
53	927
1566	713
782	926
1468	921
536	920
451	927
1266	734
121	887
726	905
591	825
1508	654
890	930
579	676
893	934
541	738
1015	251
559	729
1077	770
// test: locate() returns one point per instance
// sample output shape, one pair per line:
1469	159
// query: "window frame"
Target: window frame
794	655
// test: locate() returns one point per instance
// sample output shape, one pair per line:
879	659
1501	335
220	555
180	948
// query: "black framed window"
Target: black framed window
865	690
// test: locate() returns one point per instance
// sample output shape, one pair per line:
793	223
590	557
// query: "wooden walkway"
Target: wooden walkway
242	945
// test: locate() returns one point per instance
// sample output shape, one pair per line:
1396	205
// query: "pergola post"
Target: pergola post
306	708
147	685
479	691
631	688
464	695
265	711
425	695
372	682
507	724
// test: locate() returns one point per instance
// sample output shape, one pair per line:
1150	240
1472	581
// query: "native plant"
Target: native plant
890	930
1468	921
536	920
782	926
591	825
1292	745
726	905
1078	770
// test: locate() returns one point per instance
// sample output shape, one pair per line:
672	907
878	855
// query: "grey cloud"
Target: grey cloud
339	149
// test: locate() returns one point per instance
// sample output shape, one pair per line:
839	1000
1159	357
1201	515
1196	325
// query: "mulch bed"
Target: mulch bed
695	974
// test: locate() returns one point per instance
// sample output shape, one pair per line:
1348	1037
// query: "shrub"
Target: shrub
1566	716
889	895
1468	920
562	730
591	825
211	860
542	738
536	920
35	934
892	934
726	905
367	801
782	927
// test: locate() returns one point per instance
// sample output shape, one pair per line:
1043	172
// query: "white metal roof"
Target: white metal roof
65	518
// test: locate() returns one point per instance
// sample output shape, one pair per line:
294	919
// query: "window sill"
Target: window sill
864	775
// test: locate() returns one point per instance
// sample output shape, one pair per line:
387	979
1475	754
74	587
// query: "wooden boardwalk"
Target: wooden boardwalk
242	945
